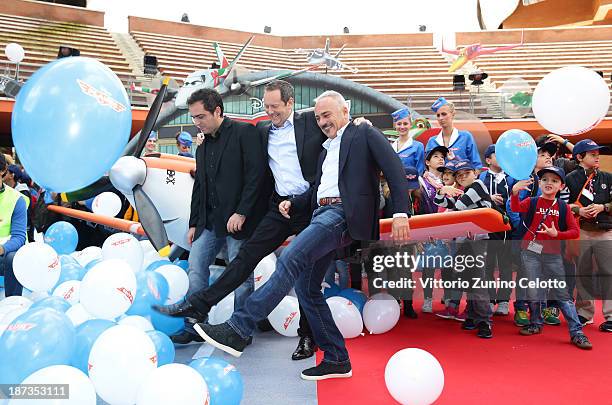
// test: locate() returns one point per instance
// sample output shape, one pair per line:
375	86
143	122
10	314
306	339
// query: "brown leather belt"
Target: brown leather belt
329	200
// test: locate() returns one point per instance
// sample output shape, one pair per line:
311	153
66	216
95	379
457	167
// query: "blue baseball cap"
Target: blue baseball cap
586	145
400	114
412	175
489	151
448	165
463	164
184	138
552	169
438	148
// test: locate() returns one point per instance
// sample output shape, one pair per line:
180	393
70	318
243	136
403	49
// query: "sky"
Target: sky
314	17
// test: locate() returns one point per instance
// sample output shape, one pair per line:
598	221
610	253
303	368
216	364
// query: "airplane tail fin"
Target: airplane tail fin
238	55
223	63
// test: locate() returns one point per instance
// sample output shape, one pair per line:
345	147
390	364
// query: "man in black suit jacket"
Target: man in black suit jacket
345	197
292	143
226	201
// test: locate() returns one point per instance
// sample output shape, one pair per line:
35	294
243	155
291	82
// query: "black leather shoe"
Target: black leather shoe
180	310
185	337
305	349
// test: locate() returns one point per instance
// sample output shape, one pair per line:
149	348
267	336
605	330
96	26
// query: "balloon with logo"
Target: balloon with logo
346	316
107	203
224	381
38	338
85	256
63	237
37	266
125	247
69	290
571	100
381	313
516	153
149	291
120	361
80	389
70	123
8	314
86	335
178	282
163	346
285	318
57	303
264	269
358	298
414	376
108	289
173	384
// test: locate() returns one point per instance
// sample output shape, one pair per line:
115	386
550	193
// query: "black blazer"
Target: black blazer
308	139
364	152
238	176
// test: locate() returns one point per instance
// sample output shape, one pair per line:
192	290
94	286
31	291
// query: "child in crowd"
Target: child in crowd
547	221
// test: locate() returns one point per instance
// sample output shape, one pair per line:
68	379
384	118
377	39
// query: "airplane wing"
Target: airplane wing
340	51
488	51
282	76
112	222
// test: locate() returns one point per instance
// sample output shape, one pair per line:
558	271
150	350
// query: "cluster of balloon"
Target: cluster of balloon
517	153
414	377
70	123
571	100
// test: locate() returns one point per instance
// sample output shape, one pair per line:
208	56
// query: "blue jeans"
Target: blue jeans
203	252
303	263
340	267
549	267
11	285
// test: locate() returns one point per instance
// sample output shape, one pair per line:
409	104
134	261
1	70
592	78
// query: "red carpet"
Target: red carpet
507	369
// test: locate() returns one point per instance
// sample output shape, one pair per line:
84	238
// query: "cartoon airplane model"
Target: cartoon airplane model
471	52
322	57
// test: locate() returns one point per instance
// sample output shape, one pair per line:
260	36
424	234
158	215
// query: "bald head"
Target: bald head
331	113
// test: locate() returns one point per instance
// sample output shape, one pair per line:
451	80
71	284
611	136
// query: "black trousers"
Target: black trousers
269	235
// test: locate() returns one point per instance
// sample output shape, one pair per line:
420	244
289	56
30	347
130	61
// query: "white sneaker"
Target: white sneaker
427	306
502	308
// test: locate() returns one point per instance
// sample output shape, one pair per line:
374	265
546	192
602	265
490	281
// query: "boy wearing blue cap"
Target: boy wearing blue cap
547	221
473	196
591	200
151	145
183	143
410	152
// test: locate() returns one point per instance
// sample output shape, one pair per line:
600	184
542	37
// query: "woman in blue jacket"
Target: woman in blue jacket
460	144
410	152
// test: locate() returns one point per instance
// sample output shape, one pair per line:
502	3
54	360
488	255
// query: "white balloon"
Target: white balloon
8	314
69	290
14	52
264	270
78	314
414	377
137	321
381	313
120	360
285	318
108	289
222	311
152	256
37	266
571	100
125	247
87	255
147	246
178	282
16	300
107	203
173	384
80	388
346	316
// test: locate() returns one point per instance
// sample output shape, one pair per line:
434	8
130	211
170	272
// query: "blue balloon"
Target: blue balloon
70	123
163	346
86	335
516	153
65	259
71	271
36	339
358	298
57	303
167	324
183	264
63	237
224	381
157	264
147	293
92	263
332	291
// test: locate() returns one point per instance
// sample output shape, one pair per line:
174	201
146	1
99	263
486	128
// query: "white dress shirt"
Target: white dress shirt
331	167
283	160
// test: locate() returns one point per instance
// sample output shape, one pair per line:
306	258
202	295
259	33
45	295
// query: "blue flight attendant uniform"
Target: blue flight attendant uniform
412	154
461	146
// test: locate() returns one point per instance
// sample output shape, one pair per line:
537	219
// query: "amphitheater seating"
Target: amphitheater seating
42	38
